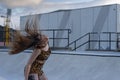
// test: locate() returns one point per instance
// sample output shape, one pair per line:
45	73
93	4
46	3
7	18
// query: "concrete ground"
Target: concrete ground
65	65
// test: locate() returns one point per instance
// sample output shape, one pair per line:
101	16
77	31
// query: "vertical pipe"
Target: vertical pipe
99	40
89	42
75	45
53	38
110	40
68	37
117	42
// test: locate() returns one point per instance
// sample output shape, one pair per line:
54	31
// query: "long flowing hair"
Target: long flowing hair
22	42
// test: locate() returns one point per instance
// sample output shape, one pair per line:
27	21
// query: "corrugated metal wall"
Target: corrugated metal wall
80	21
118	18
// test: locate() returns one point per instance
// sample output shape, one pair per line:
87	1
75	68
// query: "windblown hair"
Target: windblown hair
22	42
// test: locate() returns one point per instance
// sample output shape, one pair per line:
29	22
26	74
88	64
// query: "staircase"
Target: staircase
94	41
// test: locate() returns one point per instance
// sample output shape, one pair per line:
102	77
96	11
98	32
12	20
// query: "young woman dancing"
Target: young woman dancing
41	50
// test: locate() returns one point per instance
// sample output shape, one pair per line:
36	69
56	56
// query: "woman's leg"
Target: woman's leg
33	77
43	77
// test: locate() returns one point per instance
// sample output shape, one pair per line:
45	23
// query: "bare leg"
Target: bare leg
33	77
43	77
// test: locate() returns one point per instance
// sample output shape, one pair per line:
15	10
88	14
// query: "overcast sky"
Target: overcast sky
26	7
23	3
42	6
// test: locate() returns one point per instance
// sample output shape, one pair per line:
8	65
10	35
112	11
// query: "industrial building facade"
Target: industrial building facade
3	37
98	19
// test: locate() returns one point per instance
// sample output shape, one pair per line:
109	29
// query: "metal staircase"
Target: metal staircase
104	41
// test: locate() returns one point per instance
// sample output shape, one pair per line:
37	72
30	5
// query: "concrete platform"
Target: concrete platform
65	65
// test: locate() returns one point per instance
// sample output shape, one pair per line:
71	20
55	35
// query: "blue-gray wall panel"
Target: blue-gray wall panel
118	18
81	21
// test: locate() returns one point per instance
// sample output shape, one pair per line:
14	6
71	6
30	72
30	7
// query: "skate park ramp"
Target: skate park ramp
65	65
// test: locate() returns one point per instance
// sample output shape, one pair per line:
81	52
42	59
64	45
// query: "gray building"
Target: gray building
98	19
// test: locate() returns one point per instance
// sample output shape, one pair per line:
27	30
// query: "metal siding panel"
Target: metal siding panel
53	23
101	22
63	23
69	25
109	26
81	21
44	23
112	19
113	23
59	18
22	22
86	20
95	14
101	19
74	24
118	17
86	23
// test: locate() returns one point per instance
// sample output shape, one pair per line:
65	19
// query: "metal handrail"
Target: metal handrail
80	45
89	40
77	39
52	37
109	40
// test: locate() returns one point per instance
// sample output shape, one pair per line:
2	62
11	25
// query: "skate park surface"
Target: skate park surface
65	65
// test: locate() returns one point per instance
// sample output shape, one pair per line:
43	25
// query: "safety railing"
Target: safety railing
107	41
51	33
75	44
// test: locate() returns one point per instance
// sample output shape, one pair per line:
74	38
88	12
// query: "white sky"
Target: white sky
24	3
26	7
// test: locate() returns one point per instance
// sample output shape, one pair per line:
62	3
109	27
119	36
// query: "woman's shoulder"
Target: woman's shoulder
47	51
46	48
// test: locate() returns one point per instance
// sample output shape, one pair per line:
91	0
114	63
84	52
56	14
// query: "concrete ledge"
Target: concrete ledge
79	53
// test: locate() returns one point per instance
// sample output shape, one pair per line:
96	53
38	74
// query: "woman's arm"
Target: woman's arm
34	55
26	72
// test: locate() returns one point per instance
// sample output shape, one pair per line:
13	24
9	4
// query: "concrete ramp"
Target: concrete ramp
12	66
63	67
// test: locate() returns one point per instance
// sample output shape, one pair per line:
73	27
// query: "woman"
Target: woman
41	52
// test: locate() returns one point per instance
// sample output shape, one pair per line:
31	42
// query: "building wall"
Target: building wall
80	21
118	18
3	35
